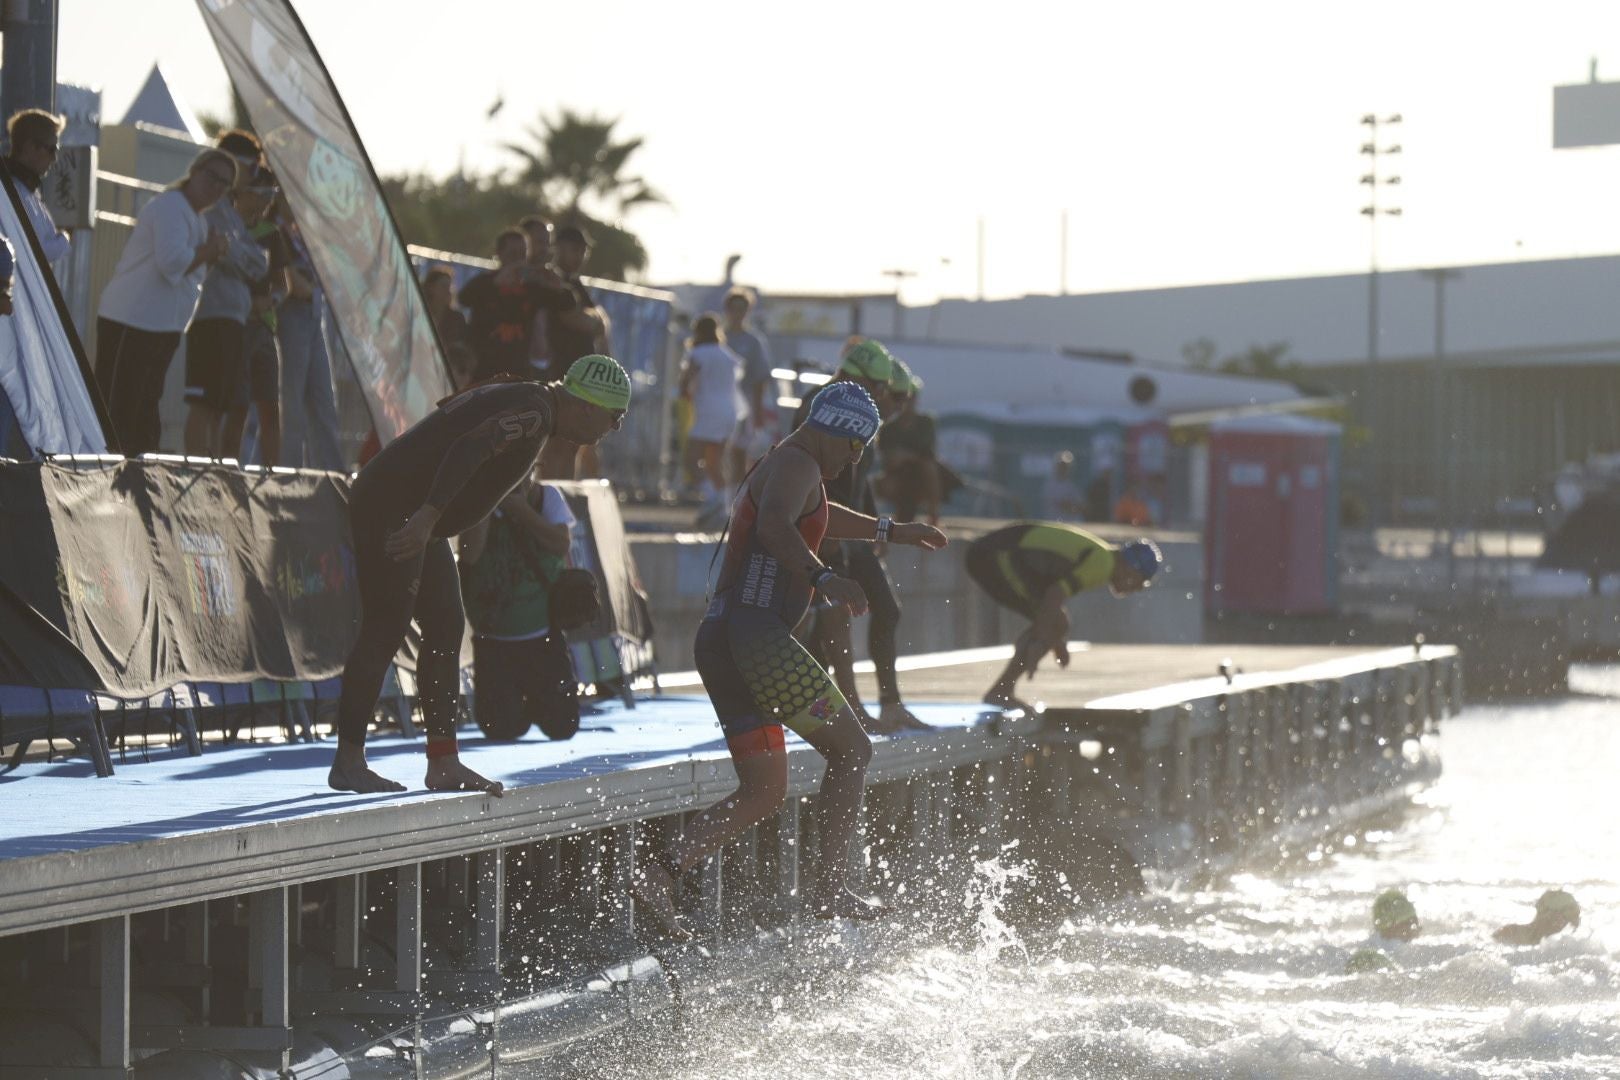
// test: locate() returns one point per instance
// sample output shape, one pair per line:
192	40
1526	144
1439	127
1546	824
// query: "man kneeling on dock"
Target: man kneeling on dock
760	679
1033	569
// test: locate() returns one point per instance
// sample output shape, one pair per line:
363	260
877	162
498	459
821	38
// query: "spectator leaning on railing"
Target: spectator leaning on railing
35	141
150	298
216	356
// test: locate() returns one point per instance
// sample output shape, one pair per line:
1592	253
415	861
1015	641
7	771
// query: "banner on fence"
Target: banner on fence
157	573
133	576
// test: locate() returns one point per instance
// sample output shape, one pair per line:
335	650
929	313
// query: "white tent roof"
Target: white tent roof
159	105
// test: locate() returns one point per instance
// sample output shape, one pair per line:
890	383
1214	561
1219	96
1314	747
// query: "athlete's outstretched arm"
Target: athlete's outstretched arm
846	524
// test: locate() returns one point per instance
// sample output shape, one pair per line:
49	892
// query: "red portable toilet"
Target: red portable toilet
1271	535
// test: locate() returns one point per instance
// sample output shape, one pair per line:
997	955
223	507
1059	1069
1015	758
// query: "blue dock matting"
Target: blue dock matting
54	807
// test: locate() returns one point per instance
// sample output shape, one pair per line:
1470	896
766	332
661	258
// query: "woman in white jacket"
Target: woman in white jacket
711	380
148	302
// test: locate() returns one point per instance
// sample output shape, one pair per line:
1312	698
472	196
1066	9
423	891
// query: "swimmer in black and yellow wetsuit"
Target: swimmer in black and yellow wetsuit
762	680
1033	569
438	479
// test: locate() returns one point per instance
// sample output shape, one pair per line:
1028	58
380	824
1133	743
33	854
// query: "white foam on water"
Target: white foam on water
1246	978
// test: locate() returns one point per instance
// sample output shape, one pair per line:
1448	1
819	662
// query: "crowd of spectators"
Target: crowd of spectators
217	259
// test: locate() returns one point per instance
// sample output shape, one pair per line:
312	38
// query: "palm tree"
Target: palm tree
574	167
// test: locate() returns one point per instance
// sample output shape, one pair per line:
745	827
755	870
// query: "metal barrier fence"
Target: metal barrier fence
638	460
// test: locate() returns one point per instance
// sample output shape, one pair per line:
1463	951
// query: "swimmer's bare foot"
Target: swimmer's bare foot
845	904
347	775
449	774
881	724
653	890
896	717
1008	702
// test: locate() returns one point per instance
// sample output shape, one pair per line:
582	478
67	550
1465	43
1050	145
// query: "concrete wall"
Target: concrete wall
941	607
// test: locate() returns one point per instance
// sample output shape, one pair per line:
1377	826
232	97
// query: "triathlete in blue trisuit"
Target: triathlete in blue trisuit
762	680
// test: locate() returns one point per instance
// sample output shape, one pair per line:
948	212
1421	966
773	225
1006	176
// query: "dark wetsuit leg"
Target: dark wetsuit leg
387	599
884	629
439	616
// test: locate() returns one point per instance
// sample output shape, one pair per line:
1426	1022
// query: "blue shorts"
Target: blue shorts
759	677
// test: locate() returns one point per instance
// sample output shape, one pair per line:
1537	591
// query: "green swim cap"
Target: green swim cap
1391	910
1364	960
869	360
599	380
1559	903
901	380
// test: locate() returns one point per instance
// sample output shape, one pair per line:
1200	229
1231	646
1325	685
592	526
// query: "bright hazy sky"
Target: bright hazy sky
1188	141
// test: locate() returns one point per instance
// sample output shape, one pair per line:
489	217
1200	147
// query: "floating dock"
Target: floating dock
228	915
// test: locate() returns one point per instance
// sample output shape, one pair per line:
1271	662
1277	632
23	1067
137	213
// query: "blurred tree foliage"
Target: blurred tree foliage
570	168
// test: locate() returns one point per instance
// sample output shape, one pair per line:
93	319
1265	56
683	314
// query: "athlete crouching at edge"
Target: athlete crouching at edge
760	679
440	478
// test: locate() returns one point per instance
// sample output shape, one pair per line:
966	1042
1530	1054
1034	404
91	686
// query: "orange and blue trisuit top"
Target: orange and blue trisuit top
759	678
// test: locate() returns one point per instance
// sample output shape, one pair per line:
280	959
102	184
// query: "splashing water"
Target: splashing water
1246	977
984	896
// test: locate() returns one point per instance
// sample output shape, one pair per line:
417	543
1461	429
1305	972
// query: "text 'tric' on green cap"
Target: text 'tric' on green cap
599	380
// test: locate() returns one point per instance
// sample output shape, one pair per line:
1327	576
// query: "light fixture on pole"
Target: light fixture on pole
1372	211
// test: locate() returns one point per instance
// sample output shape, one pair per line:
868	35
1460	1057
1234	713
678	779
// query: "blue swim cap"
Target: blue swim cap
843	408
1142	556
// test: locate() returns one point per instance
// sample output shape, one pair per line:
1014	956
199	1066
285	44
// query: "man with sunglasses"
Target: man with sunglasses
438	479
35	141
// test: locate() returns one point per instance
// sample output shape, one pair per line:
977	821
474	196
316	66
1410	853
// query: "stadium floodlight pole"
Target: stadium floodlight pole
1445	456
899	312
1372	211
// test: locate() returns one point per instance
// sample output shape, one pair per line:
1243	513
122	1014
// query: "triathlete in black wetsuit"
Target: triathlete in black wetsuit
760	679
439	478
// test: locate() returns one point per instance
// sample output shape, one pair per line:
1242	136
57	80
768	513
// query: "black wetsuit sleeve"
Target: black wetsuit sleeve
497	434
